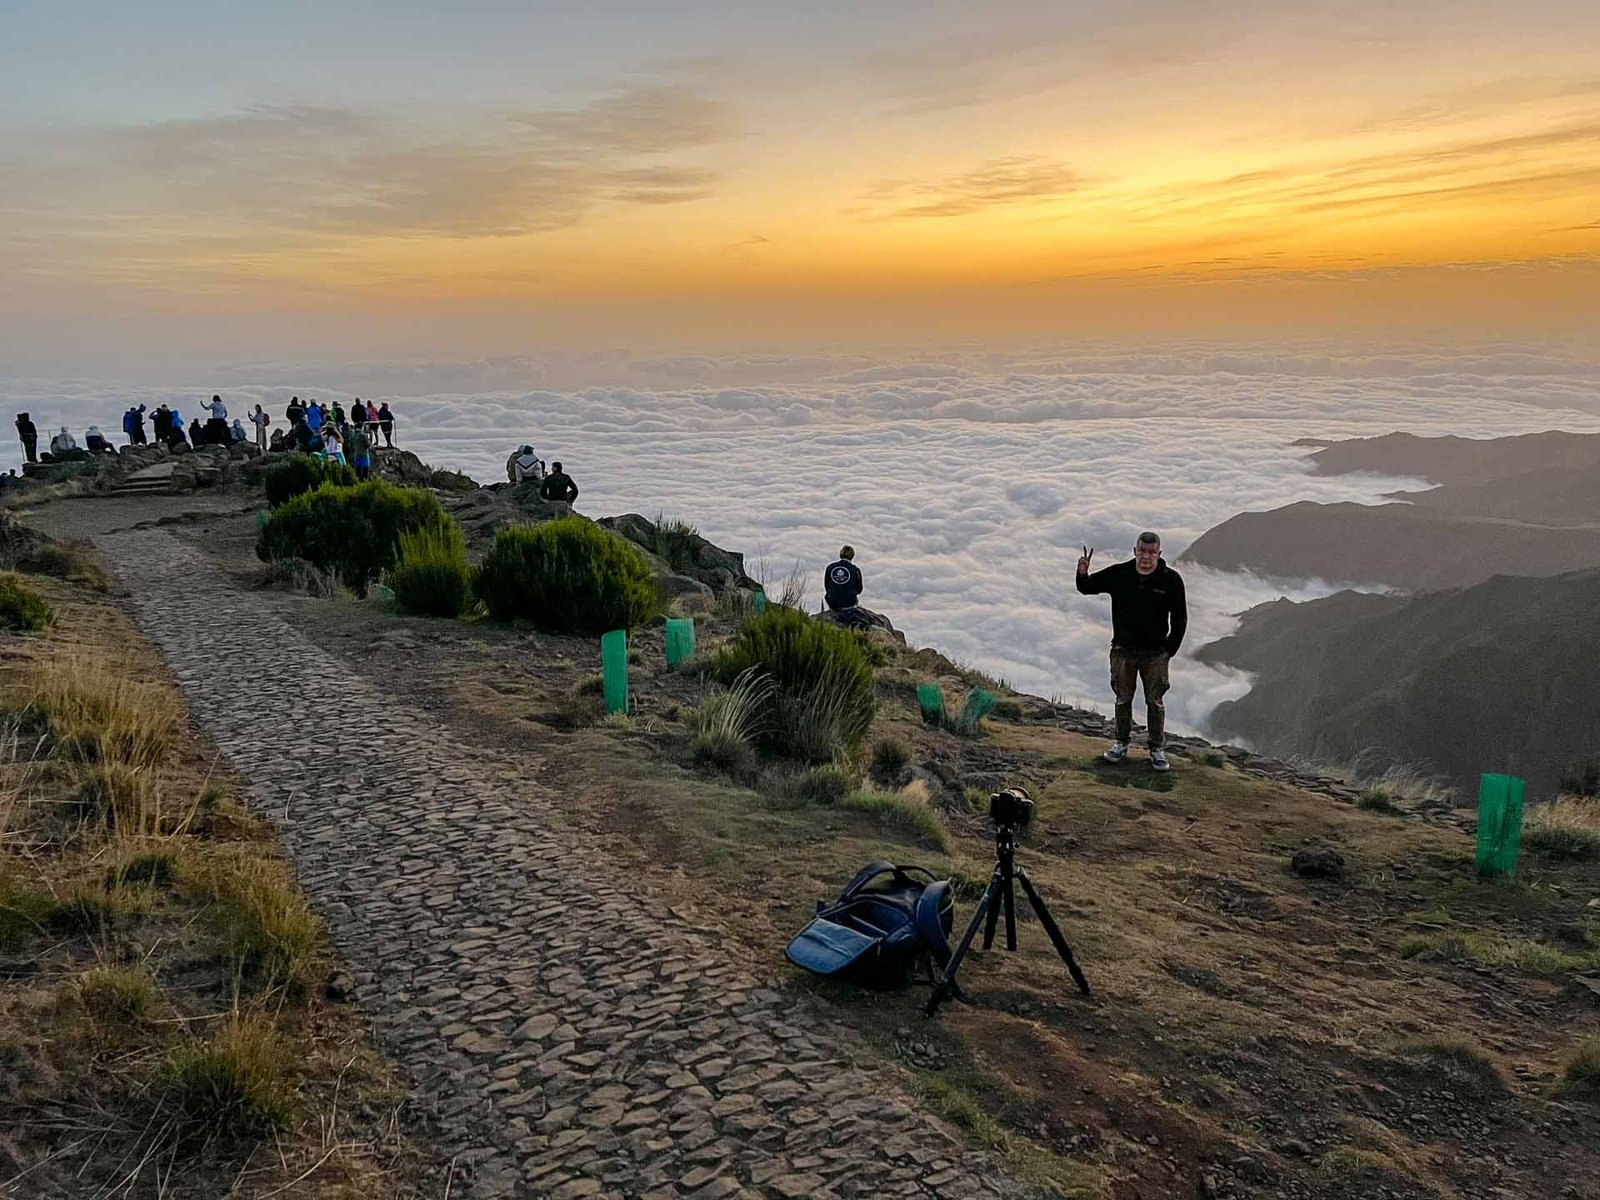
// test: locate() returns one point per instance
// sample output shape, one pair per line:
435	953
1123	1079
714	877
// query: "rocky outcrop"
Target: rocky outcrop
863	619
684	553
404	467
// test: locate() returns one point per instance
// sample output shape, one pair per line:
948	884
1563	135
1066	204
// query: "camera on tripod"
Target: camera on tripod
1011	808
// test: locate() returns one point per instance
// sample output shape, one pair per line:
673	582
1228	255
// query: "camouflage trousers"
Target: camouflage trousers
1128	669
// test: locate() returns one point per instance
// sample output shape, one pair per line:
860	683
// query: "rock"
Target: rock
864	619
674	586
530	505
719	569
1317	864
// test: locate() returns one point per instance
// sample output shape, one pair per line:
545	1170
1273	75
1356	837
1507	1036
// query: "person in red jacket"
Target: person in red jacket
1149	616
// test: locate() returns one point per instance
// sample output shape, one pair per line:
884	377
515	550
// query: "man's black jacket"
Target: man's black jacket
27	429
1148	612
842	584
558	485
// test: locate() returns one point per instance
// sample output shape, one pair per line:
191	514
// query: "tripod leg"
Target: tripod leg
947	985
994	910
1054	931
1010	898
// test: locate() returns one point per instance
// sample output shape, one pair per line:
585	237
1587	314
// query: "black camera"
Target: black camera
1012	808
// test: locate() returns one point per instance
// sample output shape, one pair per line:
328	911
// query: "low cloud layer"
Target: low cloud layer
966	492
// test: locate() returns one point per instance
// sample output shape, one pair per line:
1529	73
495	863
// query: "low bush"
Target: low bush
432	578
1378	800
24	913
726	724
21	608
1581	1074
353	532
72	561
823	700
297	474
117	995
236	1082
1564	828
566	576
905	813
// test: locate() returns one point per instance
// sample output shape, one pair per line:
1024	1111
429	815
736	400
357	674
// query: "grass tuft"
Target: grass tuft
157	868
1459	1064
117	995
1528	958
905	813
1379	800
22	609
890	757
1565	828
674	542
97	714
121	797
268	933
1581	1075
237	1082
727	724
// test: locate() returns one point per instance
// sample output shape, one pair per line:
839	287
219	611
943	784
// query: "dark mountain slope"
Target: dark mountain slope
1503	676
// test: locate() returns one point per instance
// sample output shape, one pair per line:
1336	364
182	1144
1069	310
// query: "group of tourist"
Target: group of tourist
314	428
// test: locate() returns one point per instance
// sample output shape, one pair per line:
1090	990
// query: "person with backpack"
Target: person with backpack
28	432
260	420
841	582
1149	616
524	465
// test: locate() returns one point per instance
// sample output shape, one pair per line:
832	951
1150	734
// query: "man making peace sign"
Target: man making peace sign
1149	614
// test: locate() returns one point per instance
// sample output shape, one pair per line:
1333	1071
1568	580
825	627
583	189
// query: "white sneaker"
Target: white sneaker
1158	761
1118	752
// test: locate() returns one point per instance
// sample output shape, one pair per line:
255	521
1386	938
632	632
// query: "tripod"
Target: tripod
1000	891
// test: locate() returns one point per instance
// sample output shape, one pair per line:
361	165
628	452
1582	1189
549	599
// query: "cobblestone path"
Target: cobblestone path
568	1036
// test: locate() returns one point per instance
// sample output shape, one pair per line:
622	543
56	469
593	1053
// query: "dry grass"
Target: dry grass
905	813
237	1082
1568	827
97	713
1530	958
1580	1074
116	996
72	561
269	935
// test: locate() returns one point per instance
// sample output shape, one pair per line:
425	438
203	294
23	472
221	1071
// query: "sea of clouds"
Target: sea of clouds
967	483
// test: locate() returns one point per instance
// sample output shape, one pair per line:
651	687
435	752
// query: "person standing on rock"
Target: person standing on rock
558	488
294	412
841	582
386	422
260	420
1149	615
133	425
29	433
359	447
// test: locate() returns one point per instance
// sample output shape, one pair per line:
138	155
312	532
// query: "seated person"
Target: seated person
96	441
524	465
197	435
236	430
558	486
333	446
842	581
63	442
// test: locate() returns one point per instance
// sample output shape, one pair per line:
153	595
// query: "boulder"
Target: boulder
1317	864
865	619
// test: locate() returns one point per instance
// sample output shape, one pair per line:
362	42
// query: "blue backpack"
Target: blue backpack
888	922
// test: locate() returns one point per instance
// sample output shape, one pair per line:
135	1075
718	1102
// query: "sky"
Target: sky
185	187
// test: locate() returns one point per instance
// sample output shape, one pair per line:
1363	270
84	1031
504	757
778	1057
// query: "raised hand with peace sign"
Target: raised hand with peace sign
1083	563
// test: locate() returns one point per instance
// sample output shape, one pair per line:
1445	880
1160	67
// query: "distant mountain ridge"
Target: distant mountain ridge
1502	676
1527	505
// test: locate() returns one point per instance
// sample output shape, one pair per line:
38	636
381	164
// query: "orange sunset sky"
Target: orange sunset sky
390	177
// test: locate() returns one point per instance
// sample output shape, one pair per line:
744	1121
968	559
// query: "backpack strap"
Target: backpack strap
863	877
933	906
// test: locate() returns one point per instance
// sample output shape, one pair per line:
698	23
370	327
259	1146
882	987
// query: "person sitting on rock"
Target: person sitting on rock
236	430
197	435
96	441
558	487
300	436
63	443
524	464
841	582
277	442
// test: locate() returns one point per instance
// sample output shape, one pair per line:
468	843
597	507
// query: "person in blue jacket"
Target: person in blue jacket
841	582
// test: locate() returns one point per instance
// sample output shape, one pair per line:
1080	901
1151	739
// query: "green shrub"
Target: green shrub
432	579
353	532
22	608
117	995
1378	800
300	473
566	576
824	700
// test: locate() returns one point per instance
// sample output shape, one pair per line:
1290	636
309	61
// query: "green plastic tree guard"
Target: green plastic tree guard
680	640
614	668
761	601
930	698
1499	823
978	706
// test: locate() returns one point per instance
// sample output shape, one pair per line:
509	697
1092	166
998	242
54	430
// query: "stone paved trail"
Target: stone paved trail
570	1039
